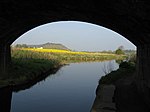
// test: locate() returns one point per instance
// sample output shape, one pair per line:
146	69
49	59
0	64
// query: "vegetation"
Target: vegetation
45	46
119	52
125	69
67	56
31	63
130	52
131	57
21	46
23	70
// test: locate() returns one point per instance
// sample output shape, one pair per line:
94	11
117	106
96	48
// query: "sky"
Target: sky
79	36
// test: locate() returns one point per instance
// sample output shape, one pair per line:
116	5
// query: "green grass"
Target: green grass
23	70
65	57
27	65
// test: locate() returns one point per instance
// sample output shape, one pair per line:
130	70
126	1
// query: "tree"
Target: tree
121	47
24	46
18	46
21	46
119	51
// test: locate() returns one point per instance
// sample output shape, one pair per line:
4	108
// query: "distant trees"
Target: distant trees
45	46
21	46
109	51
119	52
121	47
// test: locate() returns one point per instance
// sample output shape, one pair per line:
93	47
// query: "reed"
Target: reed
28	64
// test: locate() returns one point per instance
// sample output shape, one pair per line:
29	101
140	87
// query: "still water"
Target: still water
71	89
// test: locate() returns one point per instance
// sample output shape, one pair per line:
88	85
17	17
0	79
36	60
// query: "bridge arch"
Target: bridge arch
129	18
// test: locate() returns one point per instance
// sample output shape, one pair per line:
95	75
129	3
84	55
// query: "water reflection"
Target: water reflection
71	89
6	92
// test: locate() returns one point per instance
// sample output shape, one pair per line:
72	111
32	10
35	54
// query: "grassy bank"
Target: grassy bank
24	70
125	70
29	64
67	56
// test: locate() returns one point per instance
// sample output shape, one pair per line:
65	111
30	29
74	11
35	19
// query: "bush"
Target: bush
119	52
125	69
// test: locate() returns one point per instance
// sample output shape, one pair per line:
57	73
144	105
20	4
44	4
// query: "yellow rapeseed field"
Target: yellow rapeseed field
64	51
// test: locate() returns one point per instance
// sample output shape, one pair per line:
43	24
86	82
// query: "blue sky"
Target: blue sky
75	35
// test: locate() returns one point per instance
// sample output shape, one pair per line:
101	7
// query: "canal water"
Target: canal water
71	89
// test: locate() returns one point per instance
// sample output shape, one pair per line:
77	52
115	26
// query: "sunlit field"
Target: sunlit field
65	56
63	51
30	63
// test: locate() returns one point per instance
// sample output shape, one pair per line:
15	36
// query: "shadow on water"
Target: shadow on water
6	92
119	98
124	97
5	99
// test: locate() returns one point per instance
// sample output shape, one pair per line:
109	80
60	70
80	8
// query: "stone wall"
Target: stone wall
5	58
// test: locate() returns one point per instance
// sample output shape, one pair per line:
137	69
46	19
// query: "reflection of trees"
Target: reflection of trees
5	99
108	67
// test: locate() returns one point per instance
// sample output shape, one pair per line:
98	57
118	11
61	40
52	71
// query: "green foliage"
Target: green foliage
45	46
63	57
119	52
21	46
132	57
130	51
125	69
23	70
127	65
28	65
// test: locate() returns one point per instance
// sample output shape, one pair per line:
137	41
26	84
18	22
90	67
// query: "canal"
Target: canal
70	89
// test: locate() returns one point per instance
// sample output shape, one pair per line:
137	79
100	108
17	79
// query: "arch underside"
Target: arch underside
119	16
130	18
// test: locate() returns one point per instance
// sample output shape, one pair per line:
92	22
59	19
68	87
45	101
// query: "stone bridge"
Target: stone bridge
129	18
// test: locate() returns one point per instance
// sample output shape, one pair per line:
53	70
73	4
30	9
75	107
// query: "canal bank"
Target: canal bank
112	97
74	84
120	95
104	99
107	90
23	82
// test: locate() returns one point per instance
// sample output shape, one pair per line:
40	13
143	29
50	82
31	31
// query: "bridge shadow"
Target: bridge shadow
123	96
6	92
5	99
128	99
